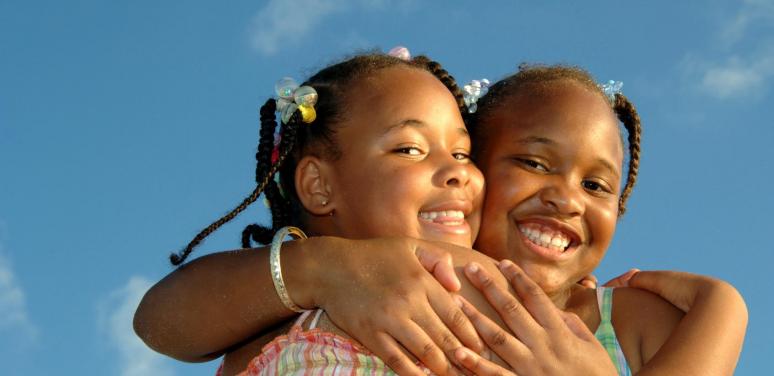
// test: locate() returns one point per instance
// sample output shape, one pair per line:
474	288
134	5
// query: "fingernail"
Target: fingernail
462	354
473	267
459	301
463	306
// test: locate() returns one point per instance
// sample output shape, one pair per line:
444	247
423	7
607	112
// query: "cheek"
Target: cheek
502	196
605	220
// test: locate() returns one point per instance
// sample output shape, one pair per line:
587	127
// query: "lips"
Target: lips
545	236
444	217
549	238
447	217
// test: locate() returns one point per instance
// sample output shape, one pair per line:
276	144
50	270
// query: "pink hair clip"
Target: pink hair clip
400	52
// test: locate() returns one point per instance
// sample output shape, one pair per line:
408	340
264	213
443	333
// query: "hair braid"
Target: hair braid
627	114
278	205
298	139
267	118
447	79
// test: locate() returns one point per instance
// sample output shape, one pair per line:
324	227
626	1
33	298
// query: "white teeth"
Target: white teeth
446	214
548	239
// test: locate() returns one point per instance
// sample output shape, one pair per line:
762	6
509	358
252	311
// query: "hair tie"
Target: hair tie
400	52
611	88
291	97
473	91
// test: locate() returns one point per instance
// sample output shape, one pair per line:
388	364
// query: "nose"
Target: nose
454	173
563	197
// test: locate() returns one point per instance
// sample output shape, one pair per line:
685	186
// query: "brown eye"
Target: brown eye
410	150
532	164
594	186
461	156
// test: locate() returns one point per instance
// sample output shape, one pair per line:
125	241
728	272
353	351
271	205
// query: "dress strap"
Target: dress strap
301	318
316	319
606	332
605	303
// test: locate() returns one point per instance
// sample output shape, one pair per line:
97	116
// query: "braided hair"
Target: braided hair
298	139
530	77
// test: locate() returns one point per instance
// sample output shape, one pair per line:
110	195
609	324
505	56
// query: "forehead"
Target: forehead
401	93
564	111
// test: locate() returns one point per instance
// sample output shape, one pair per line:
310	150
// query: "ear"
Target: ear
313	185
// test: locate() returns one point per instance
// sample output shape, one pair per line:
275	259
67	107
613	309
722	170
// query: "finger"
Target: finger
416	340
512	312
504	344
577	326
439	262
533	297
623	279
478	365
393	355
589	281
456	325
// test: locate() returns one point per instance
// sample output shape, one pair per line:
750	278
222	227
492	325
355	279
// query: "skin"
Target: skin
591	231
555	164
402	124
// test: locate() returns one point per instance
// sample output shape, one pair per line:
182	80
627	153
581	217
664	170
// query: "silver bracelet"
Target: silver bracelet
276	269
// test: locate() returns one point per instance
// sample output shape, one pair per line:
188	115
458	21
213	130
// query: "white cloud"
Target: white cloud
115	319
287	22
751	12
13	310
744	46
282	21
738	77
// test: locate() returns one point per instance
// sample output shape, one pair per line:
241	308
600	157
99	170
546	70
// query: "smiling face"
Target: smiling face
404	168
553	176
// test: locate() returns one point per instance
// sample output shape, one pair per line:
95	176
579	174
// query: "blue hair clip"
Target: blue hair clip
473	91
611	88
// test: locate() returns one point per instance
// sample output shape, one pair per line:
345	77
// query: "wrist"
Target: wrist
297	270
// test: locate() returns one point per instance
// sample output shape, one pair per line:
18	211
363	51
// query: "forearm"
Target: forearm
709	338
217	301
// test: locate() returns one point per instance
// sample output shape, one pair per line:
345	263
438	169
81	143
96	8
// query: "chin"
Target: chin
548	280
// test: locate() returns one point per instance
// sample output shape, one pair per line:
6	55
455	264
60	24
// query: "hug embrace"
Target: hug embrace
451	230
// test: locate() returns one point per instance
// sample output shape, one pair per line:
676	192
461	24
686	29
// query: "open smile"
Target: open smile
446	221
548	240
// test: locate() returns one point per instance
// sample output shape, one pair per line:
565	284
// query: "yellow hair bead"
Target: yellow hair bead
308	114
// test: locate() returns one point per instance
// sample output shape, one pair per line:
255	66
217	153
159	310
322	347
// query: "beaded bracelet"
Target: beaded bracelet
276	269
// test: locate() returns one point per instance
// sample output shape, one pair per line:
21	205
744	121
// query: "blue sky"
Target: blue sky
125	127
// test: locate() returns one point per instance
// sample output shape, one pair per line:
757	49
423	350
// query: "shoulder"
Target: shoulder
642	321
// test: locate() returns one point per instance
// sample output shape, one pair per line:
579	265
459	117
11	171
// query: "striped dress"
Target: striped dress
605	332
315	352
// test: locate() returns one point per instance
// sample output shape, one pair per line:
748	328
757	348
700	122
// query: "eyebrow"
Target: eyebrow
536	140
415	123
547	141
609	166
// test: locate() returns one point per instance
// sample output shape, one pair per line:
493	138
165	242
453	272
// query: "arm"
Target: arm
708	339
376	286
210	304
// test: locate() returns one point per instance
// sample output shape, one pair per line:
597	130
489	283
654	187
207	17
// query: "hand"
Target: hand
623	279
590	281
380	292
542	340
